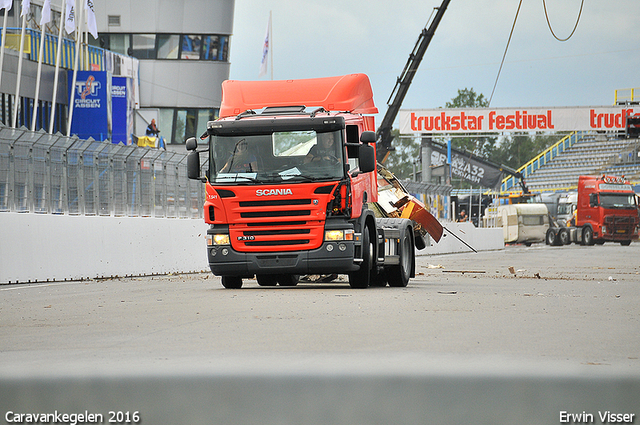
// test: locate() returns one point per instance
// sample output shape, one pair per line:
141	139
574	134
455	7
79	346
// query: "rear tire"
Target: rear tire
398	276
551	237
563	237
232	282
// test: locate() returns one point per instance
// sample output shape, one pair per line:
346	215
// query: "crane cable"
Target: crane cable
544	3
505	53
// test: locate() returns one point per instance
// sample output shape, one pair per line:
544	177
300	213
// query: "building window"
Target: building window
119	43
185	125
143	46
191	45
168	46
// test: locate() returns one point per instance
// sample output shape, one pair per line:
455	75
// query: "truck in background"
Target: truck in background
606	210
292	187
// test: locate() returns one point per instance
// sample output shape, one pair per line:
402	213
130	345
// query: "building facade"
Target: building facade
183	47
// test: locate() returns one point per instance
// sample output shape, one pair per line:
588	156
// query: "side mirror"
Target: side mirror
193	166
191	144
368	137
367	156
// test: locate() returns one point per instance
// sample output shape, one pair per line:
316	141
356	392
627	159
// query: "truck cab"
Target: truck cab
606	210
289	176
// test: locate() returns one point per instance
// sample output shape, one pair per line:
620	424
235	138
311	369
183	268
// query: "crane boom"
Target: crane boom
404	81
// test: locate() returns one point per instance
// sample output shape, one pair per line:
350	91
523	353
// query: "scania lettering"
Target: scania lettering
269	192
291	182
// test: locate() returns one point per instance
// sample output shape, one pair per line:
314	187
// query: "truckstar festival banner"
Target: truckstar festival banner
497	120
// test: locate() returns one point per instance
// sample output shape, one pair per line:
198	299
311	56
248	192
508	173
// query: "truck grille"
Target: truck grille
620	226
276	224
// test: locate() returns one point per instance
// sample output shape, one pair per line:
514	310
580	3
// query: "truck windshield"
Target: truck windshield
277	157
618	200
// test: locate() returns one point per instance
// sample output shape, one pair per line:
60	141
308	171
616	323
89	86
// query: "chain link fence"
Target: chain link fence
53	174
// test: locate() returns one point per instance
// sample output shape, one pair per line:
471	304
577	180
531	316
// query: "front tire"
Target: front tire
232	282
587	236
360	278
288	279
267	279
625	243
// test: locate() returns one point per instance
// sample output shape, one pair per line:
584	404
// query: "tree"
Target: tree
482	146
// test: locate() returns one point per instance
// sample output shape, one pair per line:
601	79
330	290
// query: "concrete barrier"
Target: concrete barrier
46	247
481	239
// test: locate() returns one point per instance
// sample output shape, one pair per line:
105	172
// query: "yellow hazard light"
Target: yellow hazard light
218	239
338	235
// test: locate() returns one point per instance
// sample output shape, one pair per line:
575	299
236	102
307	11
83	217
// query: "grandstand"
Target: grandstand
580	153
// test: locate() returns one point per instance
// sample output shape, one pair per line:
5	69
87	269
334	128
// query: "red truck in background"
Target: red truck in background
606	210
292	187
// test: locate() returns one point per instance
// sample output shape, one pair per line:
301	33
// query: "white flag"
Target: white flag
26	4
91	18
265	50
46	13
70	17
6	4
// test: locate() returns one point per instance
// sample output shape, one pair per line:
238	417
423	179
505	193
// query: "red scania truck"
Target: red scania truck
291	185
606	210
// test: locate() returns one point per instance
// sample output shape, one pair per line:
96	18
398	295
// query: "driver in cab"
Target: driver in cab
324	150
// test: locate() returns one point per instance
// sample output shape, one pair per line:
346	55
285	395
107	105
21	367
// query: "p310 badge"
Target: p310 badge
246	238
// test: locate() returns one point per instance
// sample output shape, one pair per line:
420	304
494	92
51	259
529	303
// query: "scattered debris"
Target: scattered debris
448	292
537	275
463	271
512	270
433	266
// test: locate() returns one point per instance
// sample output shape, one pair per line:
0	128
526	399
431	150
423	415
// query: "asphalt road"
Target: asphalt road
574	306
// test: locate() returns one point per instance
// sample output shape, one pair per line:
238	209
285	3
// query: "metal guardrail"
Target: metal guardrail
54	174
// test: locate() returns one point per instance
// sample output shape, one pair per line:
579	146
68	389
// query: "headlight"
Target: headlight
338	235
218	239
604	229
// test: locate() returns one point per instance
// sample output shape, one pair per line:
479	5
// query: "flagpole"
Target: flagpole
16	100
4	39
271	42
57	71
78	13
39	75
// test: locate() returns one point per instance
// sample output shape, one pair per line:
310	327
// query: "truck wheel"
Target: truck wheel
232	282
398	276
288	279
360	279
551	237
267	280
563	237
587	236
625	243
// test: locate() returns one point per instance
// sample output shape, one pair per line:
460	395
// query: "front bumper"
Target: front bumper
331	257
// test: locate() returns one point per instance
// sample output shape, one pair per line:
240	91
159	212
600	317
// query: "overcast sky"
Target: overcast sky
336	37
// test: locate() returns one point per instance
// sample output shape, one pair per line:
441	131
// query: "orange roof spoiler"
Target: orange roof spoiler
350	93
